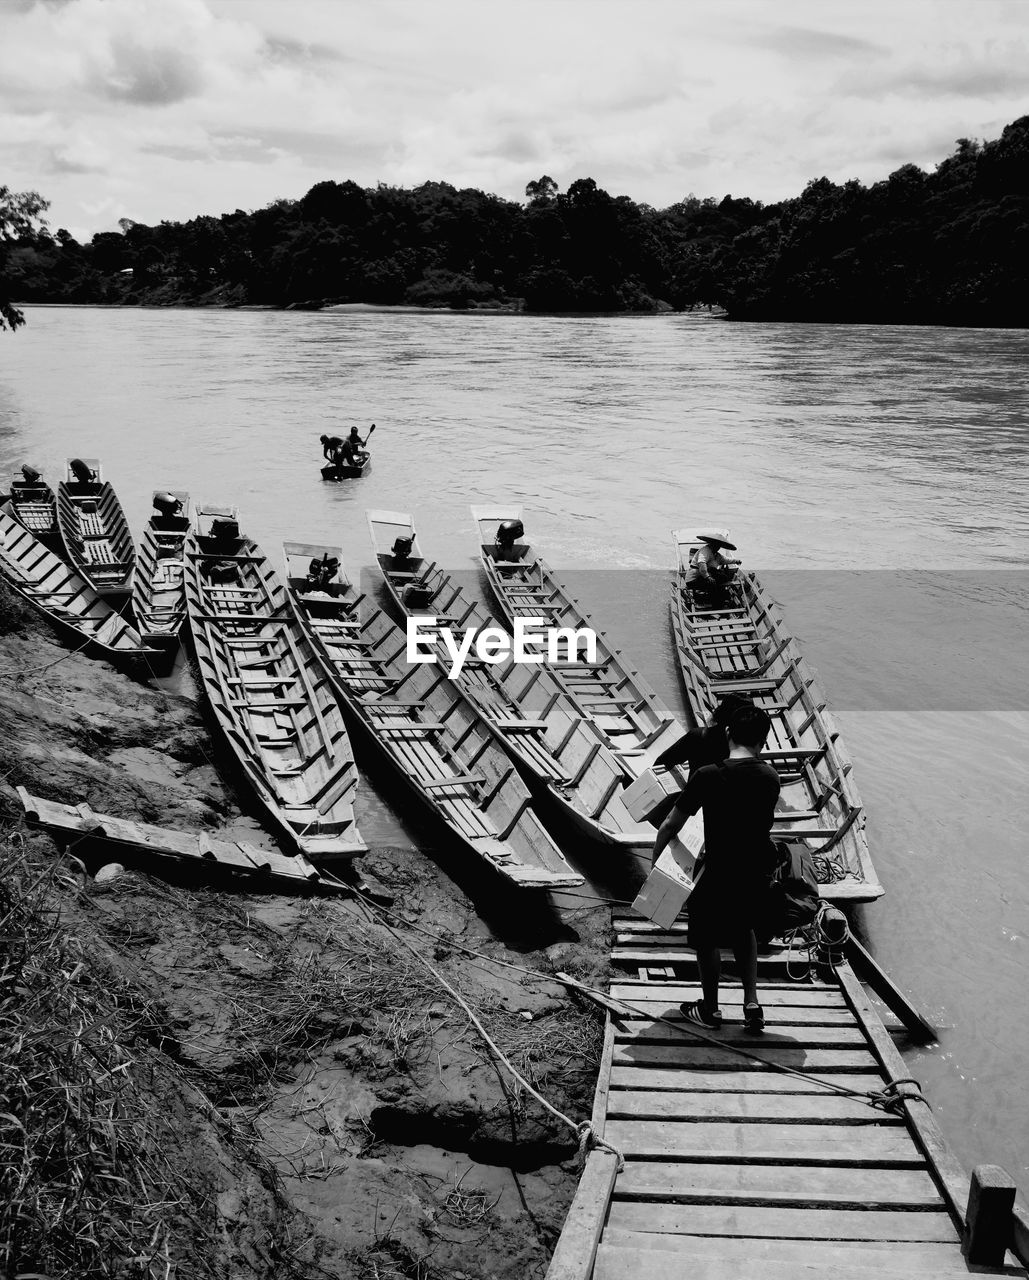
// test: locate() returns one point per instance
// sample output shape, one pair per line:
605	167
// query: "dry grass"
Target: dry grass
84	1187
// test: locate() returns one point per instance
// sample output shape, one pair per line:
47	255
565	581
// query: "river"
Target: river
876	477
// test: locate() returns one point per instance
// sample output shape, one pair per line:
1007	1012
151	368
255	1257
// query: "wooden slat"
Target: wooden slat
771	1143
796	1224
705	1056
749	1253
627	1264
796	1186
741	1080
776	1015
813	997
678	1031
785	1108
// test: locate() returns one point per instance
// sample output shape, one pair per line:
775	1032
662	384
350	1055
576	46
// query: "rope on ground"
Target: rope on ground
35	671
876	1098
587	1137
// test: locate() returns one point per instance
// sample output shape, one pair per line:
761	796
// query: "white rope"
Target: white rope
587	1136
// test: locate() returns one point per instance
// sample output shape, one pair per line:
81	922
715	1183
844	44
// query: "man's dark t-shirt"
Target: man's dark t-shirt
738	801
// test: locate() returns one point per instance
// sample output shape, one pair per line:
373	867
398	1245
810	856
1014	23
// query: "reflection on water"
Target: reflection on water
823	448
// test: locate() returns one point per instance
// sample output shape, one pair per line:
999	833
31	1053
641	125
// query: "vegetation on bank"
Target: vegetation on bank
947	247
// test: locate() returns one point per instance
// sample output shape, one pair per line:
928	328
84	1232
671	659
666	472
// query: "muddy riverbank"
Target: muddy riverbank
320	1104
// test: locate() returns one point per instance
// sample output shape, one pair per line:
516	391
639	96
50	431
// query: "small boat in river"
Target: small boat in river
269	692
736	642
94	529
554	742
361	466
159	590
421	724
33	504
70	604
610	691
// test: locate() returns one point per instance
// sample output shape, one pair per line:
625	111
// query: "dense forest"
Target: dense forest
947	247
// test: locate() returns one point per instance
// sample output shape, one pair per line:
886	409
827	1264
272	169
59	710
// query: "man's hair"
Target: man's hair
727	708
324	438
749	726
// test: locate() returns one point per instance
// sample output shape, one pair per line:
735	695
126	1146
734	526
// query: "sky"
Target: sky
167	109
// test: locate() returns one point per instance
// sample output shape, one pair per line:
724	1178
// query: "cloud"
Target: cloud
64	160
807	42
149	76
975	78
299	52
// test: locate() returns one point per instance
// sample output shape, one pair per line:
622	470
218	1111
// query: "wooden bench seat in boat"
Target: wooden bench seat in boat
458	780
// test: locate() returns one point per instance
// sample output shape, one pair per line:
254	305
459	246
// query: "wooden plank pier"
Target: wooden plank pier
735	1169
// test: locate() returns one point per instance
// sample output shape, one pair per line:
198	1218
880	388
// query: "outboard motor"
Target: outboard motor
167	505
508	534
401	550
32	476
225	530
321	572
82	473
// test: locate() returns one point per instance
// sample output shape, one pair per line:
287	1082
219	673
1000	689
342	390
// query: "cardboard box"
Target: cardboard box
671	880
642	796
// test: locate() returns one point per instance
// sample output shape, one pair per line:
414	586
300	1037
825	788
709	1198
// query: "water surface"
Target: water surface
877	476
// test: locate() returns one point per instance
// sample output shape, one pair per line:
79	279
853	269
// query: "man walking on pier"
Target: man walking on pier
738	798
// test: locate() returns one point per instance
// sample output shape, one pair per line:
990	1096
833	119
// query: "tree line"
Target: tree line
944	247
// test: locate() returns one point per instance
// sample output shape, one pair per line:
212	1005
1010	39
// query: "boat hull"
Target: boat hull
159	586
269	696
423	728
96	534
69	603
737	642
347	471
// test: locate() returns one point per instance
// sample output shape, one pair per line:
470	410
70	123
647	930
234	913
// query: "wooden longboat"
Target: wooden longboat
541	727
348	470
94	529
34	504
267	689
634	721
400	558
740	645
70	604
159	589
422	725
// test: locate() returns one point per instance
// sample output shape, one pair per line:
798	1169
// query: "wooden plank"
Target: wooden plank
915	1257
678	1031
630	1076
991	1198
886	989
794	1186
620	1263
601	1095
954	1182
712	1057
783	1108
776	1015
811	997
824	1144
577	1245
796	1224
